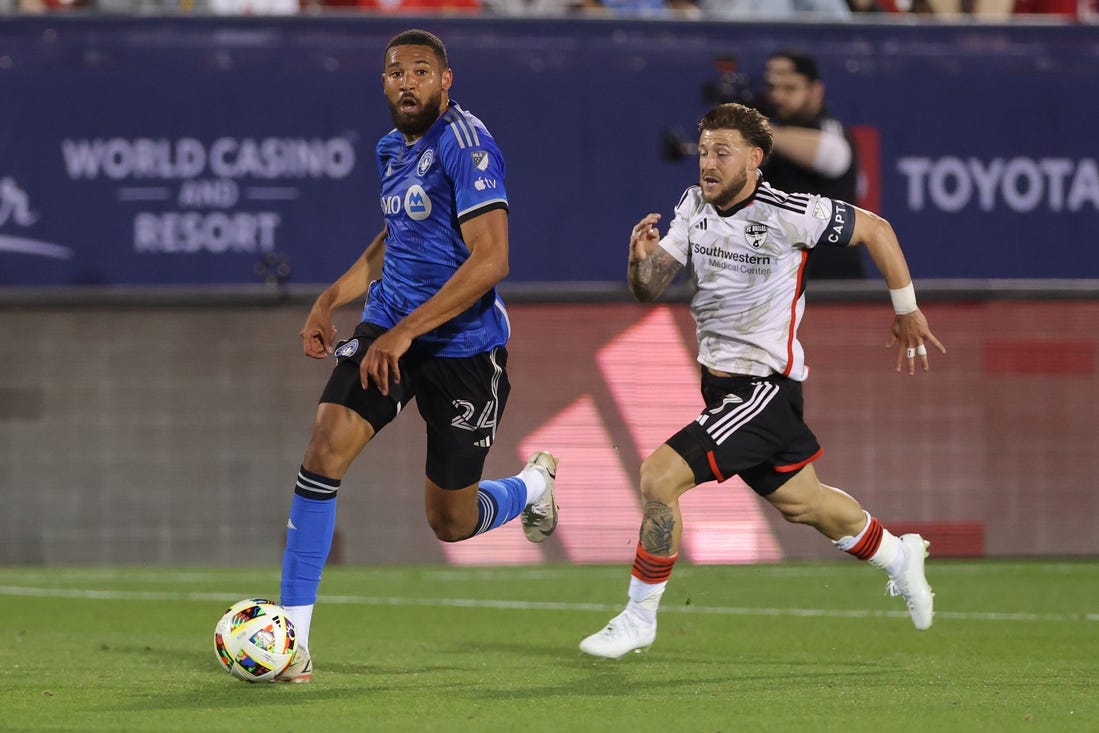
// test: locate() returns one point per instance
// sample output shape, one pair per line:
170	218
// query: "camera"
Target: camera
729	84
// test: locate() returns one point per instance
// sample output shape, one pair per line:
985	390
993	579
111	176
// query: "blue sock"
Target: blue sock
308	537
499	501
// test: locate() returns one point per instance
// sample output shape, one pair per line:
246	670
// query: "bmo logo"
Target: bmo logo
416	203
391	205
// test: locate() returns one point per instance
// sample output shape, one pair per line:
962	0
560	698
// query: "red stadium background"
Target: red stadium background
991	452
159	434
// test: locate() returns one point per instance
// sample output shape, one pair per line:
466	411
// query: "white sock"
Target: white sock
890	554
301	617
645	599
535	482
846	543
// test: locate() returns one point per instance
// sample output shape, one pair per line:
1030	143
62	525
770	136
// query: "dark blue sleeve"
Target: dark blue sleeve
841	225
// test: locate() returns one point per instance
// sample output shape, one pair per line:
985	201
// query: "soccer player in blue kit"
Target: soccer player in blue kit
433	329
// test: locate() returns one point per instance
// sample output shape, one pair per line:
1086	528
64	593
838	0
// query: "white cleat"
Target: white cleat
912	584
540	518
299	670
624	633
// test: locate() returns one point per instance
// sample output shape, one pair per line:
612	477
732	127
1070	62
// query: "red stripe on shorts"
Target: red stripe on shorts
713	466
800	464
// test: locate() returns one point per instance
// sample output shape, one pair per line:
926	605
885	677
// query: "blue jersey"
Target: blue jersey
451	174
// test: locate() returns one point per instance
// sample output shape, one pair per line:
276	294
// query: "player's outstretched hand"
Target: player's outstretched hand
643	237
911	335
318	333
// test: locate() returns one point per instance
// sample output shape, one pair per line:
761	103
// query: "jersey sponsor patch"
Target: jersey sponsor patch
480	160
482	183
416	203
425	162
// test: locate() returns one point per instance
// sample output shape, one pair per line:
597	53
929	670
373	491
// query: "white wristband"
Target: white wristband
904	299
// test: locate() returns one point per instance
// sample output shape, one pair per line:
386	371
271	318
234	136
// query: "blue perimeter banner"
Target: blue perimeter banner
213	151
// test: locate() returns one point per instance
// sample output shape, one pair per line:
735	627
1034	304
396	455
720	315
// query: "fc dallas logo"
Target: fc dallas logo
756	234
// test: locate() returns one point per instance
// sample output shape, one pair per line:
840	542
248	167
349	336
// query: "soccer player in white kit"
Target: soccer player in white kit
746	246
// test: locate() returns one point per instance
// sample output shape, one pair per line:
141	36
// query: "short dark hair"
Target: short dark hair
417	37
804	64
748	122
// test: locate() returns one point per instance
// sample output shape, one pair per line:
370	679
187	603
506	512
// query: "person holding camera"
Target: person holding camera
813	152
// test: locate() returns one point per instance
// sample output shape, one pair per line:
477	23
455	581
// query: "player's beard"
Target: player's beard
725	197
416	123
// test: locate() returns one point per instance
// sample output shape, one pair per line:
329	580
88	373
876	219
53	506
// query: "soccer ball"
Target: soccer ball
254	640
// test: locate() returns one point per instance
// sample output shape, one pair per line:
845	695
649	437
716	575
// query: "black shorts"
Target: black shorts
752	427
461	399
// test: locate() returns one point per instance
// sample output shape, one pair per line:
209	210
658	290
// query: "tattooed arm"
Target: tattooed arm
651	267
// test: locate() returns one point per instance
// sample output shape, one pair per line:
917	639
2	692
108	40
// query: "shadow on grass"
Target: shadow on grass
500	670
569	673
201	685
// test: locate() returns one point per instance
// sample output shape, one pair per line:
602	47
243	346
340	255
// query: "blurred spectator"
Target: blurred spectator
1077	9
403	6
253	7
541	8
639	8
986	9
685	8
983	9
774	9
872	6
813	152
653	8
42	6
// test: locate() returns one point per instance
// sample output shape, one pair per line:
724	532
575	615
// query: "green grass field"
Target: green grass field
790	647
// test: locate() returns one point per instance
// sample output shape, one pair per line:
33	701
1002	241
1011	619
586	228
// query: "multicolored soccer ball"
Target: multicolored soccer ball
254	640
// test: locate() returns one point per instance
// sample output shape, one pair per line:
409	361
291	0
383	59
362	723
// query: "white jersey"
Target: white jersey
748	271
